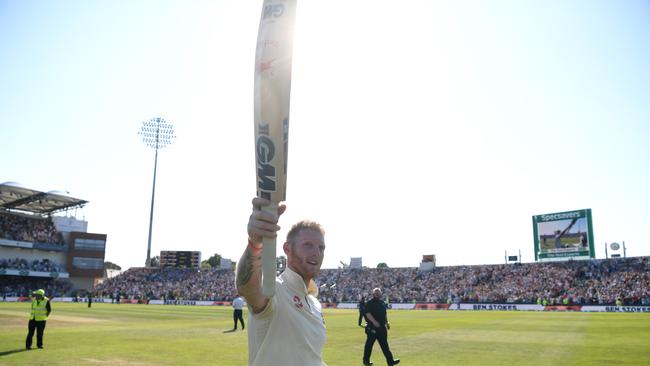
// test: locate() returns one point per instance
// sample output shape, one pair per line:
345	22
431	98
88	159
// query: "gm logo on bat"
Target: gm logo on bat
273	11
264	153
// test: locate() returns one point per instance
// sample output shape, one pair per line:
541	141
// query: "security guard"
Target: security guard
377	329
41	309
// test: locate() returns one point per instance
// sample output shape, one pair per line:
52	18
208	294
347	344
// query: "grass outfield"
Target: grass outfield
143	335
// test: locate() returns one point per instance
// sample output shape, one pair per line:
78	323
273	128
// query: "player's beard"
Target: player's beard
305	254
308	268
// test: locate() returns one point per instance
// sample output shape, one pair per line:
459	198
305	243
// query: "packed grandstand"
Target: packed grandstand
44	245
29	229
25	266
581	282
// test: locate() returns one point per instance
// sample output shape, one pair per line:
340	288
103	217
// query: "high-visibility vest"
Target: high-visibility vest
39	310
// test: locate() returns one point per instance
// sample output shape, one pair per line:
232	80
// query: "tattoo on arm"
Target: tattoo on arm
245	270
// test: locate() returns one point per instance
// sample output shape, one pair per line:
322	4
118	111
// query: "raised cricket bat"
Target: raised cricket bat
272	94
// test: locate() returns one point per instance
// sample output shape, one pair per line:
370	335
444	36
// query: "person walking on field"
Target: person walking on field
237	315
288	328
377	329
362	310
41	309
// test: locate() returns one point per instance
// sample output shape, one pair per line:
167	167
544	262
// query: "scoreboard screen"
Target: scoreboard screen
564	235
180	259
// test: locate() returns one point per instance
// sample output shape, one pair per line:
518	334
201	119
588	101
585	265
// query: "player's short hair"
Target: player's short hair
303	225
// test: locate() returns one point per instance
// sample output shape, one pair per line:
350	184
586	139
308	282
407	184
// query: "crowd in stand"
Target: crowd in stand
170	284
576	282
29	229
39	265
23	286
580	282
601	281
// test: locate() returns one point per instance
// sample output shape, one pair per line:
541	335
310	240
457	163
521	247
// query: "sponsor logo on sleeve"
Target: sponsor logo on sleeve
297	301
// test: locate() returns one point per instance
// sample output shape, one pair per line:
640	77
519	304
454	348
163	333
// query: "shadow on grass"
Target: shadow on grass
5	353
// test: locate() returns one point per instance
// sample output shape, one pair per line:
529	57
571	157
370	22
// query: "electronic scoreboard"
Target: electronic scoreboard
180	259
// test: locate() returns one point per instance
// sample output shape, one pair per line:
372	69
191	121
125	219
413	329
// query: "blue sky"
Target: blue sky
418	127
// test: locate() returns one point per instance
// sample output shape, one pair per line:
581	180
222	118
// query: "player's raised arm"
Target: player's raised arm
249	269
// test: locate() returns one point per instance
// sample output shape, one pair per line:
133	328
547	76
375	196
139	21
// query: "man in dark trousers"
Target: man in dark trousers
377	329
362	310
41	309
237	315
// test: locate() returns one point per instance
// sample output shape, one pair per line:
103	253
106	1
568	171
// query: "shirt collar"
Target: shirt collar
296	282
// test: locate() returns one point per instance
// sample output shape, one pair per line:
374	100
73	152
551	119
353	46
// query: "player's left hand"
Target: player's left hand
263	224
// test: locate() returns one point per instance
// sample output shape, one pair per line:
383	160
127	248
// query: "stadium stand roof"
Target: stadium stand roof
14	196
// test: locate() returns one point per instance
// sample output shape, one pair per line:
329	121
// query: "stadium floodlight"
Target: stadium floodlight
157	134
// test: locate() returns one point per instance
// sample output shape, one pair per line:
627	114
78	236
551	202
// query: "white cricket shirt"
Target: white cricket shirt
238	303
290	331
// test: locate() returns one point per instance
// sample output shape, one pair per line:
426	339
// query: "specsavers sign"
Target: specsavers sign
563	235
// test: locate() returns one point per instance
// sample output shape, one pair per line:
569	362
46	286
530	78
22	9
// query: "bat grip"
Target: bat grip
269	263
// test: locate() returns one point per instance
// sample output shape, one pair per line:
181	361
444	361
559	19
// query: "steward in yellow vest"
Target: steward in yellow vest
41	309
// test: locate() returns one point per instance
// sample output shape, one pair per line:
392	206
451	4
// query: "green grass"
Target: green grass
186	335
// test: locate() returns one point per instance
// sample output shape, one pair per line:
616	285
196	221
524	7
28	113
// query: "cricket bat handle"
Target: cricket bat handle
269	264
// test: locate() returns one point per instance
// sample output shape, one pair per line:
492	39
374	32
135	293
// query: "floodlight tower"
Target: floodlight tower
156	133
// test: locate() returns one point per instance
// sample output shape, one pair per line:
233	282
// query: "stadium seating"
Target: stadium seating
42	265
29	229
582	282
171	284
21	286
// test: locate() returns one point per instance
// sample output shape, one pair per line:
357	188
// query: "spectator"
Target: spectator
29	229
582	282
